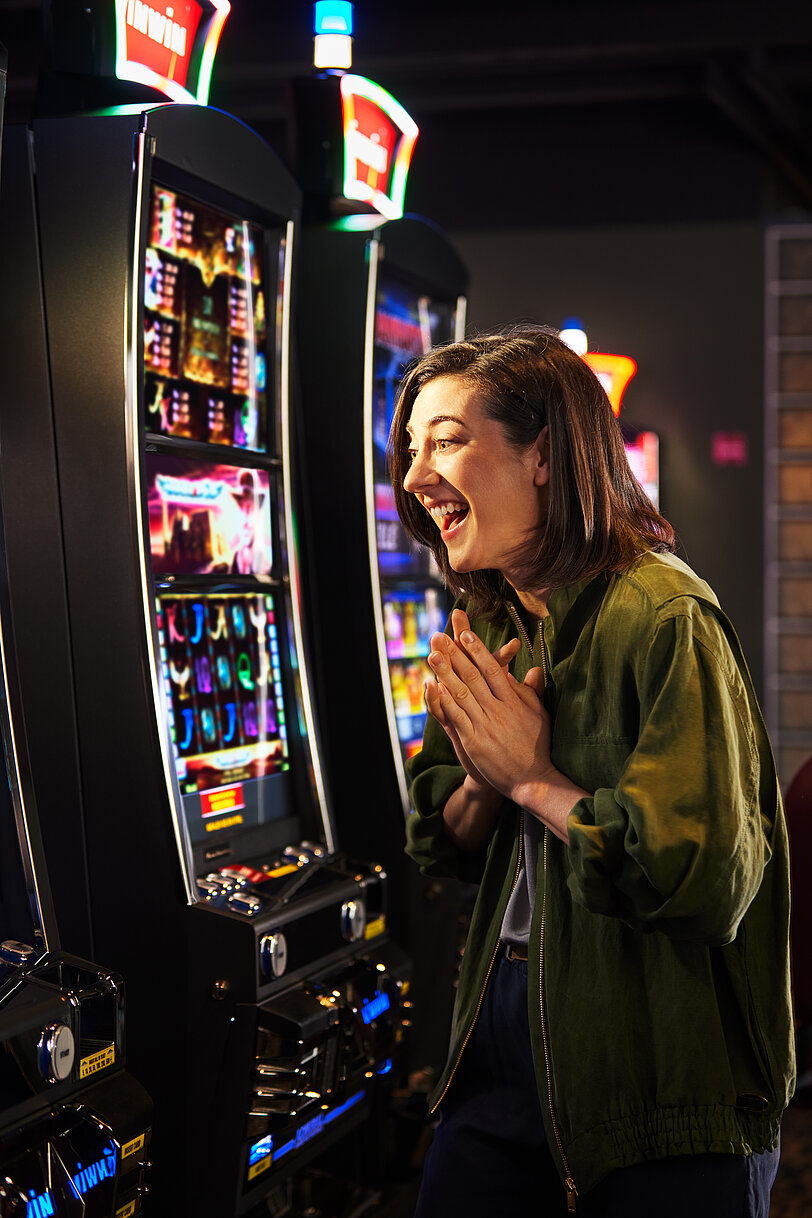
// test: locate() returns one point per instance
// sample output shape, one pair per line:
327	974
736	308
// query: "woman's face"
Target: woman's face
486	497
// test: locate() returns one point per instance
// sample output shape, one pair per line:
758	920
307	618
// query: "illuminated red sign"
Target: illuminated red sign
222	800
379	137
169	46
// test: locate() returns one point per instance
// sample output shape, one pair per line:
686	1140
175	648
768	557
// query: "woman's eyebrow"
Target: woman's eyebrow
441	418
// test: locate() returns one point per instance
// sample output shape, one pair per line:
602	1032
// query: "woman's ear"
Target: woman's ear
541	473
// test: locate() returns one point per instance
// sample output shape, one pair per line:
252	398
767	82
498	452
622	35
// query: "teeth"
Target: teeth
445	509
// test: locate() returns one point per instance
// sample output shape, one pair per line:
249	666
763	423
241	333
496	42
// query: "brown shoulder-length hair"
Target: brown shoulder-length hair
599	519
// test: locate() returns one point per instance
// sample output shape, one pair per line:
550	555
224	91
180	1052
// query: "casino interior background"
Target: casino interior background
647	166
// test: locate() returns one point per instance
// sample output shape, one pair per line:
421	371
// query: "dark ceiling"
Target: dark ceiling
545	114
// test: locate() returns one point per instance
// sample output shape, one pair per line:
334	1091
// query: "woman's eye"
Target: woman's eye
442	445
411	453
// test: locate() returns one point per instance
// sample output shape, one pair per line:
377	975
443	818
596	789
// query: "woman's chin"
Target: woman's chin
460	565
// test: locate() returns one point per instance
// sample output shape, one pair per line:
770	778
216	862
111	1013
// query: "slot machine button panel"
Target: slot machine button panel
208	889
244	903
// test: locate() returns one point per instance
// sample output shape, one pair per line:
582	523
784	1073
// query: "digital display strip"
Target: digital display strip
263	1153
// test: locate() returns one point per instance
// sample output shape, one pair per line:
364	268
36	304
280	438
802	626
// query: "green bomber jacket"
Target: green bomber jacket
658	987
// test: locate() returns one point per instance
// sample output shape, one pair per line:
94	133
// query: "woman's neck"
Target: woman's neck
533	603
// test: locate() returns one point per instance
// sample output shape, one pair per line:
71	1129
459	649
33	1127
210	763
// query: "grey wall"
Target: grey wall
685	301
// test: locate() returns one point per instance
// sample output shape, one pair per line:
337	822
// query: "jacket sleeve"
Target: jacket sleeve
434	774
679	843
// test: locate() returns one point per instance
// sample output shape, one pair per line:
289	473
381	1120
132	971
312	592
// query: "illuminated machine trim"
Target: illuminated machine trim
375	171
263	1153
24	831
372	531
133	383
153	24
460	319
614	373
291	547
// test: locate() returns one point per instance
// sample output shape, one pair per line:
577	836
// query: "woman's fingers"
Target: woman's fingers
459	622
431	695
503	655
463	678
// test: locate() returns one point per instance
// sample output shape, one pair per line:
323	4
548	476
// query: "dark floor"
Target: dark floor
792	1192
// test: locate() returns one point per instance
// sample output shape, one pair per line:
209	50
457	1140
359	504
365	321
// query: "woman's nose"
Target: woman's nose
419	474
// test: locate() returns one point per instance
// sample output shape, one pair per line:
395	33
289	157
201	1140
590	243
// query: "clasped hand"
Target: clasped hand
499	728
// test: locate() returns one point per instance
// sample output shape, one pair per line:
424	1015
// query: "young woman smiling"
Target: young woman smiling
595	759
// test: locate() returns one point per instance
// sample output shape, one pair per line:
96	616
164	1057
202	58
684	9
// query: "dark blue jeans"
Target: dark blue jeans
490	1159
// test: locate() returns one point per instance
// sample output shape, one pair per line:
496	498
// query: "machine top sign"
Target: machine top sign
379	137
170	46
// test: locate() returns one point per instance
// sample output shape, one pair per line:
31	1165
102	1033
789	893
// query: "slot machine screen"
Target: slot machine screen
207	519
205	324
214	521
413	602
222	676
407	324
410	617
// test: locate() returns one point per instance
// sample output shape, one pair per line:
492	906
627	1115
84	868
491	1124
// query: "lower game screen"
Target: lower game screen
221	670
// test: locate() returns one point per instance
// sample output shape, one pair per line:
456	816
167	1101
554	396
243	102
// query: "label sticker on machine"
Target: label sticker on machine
130	1148
373	929
97	1061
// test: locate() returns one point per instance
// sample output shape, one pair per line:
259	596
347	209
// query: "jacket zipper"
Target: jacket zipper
439	1101
569	1183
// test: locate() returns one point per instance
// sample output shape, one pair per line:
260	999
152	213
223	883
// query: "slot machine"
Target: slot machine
376	289
373	296
74	1125
154	245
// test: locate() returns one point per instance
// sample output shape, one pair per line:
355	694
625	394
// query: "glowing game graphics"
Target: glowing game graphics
208	519
221	667
205	324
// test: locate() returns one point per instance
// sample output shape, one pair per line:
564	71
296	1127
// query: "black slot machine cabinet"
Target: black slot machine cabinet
74	1125
373	295
264	997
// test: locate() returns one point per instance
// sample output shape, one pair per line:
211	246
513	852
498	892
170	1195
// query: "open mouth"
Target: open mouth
447	515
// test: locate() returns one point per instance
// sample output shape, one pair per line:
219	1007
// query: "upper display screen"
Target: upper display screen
207	519
205	324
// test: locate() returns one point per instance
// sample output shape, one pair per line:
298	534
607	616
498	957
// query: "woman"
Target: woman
594	757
